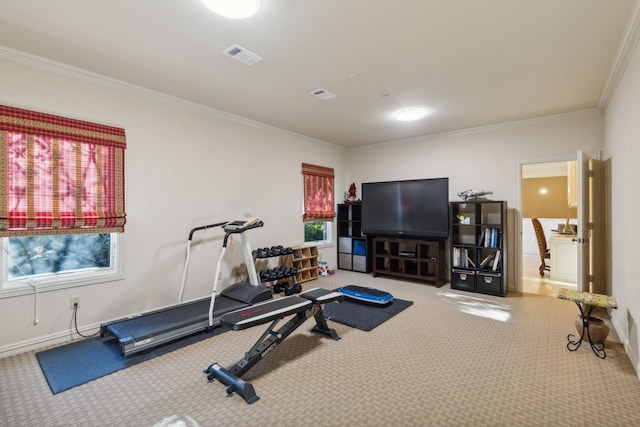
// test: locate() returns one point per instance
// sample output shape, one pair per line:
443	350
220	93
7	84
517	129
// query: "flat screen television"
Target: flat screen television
413	208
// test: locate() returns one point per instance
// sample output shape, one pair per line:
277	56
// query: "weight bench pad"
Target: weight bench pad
265	312
322	296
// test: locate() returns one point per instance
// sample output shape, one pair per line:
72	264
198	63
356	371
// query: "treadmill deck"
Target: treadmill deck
147	330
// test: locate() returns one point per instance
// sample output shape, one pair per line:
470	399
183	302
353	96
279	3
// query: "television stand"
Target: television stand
416	259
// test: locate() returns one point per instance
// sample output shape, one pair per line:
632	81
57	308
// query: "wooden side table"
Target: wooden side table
591	301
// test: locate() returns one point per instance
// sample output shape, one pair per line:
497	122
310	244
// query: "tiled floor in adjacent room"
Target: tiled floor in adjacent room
532	283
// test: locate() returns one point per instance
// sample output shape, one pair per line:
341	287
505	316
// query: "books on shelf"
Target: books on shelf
496	260
491	261
462	259
458	255
487	260
487	253
490	237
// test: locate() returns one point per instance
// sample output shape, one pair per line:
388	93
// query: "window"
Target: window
319	209
61	199
59	261
318	232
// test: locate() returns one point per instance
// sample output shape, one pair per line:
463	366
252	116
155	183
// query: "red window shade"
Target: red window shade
59	175
318	193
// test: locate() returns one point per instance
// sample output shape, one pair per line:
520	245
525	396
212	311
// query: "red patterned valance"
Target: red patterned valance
25	121
318	193
59	175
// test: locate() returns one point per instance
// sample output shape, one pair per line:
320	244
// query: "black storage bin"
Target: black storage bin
464	280
490	284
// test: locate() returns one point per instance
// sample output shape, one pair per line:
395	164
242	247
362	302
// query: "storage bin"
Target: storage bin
464	280
359	247
490	284
344	261
360	263
344	245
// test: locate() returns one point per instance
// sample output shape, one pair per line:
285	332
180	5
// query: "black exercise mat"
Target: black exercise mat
361	315
79	362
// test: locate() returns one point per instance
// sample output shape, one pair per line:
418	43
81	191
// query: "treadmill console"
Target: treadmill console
241	225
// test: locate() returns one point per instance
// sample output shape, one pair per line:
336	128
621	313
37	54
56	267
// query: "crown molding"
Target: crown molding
81	74
630	40
488	128
624	53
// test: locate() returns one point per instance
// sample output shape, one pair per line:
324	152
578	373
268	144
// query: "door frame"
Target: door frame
517	212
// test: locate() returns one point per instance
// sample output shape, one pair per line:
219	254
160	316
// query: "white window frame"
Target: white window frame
328	232
61	280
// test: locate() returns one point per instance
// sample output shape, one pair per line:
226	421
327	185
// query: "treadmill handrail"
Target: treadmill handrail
249	261
229	232
204	227
188	256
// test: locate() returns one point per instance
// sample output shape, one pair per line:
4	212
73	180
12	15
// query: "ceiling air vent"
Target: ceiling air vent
322	94
242	55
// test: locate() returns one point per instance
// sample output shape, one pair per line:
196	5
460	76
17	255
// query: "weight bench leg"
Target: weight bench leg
268	341
321	325
233	383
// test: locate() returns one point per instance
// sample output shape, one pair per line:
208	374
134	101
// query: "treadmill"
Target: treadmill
147	330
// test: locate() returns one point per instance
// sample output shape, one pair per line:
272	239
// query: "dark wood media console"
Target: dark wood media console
422	260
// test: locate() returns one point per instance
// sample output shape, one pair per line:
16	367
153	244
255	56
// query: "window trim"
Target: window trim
63	280
328	242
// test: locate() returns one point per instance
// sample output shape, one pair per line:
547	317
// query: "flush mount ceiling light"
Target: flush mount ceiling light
411	114
233	9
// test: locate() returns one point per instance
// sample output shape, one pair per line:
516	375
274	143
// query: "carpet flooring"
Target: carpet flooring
452	359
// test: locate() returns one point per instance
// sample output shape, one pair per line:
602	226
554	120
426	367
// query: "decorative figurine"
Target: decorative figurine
352	197
473	194
464	219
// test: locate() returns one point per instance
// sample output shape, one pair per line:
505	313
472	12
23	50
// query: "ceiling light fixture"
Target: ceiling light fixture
233	9
411	114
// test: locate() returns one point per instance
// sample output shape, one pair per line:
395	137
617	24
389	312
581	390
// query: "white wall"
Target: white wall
622	157
486	158
185	167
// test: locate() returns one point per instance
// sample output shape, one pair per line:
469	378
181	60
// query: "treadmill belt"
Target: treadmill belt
191	313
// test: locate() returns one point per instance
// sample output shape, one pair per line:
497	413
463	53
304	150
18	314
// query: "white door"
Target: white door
582	169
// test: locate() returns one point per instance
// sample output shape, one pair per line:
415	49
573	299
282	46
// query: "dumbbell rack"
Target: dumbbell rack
305	258
276	275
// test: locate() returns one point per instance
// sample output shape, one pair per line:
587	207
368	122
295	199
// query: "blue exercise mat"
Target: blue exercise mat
79	362
366	295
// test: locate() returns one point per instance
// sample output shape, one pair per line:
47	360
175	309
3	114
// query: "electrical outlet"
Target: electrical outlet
75	300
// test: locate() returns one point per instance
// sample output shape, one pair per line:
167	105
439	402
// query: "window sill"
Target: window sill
27	289
320	245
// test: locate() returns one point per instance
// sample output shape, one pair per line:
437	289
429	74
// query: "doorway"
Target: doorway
548	193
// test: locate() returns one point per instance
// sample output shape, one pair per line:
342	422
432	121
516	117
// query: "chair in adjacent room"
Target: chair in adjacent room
542	246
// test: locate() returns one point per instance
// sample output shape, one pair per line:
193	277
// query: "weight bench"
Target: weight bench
301	307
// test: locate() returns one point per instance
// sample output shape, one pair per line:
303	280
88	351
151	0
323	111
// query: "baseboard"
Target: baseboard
631	354
45	341
633	358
